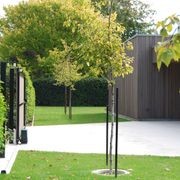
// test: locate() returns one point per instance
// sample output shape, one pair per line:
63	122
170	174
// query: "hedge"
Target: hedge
30	96
88	92
2	118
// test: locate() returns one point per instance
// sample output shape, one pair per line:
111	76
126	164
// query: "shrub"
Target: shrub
2	118
30	96
89	92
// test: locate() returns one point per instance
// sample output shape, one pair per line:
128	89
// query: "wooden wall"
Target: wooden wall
128	87
149	93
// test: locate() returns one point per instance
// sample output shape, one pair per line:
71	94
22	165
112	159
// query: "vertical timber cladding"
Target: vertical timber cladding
149	93
128	87
173	91
151	82
158	96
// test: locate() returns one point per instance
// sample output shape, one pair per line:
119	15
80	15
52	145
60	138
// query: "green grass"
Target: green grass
55	115
64	166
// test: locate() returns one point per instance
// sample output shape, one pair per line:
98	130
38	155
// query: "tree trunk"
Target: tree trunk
112	130
70	105
110	4
65	99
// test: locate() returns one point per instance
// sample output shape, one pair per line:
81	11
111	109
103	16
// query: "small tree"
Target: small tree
66	70
119	66
168	49
111	59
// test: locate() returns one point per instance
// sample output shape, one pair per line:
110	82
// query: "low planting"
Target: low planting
30	96
2	119
70	166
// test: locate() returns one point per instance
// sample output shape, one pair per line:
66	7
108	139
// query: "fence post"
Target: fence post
11	100
17	106
116	141
107	133
25	101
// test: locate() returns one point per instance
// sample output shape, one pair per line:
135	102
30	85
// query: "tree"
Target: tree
168	49
134	15
111	58
66	70
30	29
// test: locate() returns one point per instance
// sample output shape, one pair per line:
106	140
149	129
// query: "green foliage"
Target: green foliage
89	92
134	15
168	49
30	96
2	118
37	28
66	69
31	30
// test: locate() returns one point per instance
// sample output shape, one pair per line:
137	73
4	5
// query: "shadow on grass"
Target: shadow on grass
88	118
80	115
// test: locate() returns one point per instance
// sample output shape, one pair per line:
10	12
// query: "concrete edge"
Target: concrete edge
10	157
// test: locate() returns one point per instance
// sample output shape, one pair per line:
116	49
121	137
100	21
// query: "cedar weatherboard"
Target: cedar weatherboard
149	93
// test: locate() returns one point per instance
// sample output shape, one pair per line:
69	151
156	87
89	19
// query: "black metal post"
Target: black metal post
116	142
17	106
11	100
65	99
24	102
107	133
70	103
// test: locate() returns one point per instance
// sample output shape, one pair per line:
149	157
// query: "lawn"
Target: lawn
45	115
65	166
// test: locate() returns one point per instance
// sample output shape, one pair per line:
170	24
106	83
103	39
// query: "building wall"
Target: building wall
150	81
128	87
149	93
158	91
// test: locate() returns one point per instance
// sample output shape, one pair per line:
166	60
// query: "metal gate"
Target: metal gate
17	103
20	104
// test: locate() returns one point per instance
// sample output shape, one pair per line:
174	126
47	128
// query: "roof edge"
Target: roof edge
142	35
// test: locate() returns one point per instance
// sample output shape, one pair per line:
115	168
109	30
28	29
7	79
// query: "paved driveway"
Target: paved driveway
136	137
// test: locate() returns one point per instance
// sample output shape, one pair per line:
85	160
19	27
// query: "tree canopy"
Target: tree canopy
31	30
135	15
168	49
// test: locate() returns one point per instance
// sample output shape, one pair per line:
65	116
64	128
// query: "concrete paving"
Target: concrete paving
135	137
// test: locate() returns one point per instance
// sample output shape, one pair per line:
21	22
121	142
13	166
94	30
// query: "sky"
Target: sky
164	8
